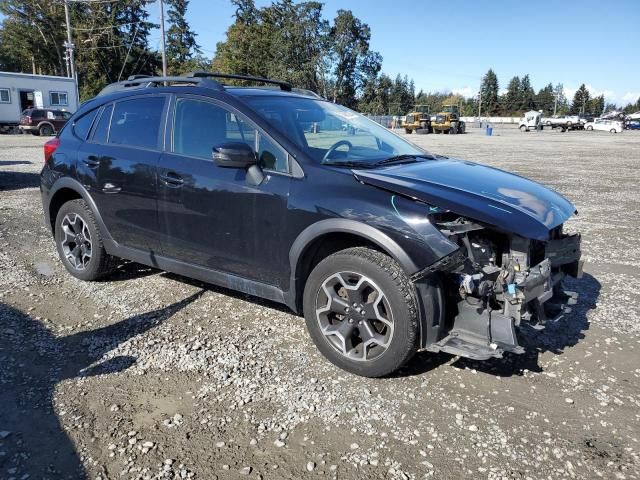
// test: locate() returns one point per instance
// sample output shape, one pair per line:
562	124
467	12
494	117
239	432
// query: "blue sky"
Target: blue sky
571	41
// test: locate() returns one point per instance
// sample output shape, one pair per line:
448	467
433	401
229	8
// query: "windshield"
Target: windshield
333	134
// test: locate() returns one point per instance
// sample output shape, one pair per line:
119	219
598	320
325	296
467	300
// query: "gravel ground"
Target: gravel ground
149	375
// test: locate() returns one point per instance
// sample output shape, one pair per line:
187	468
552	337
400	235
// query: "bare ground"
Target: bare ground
150	375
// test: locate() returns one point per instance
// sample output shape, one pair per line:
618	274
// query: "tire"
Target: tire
422	131
523	128
45	130
35	133
407	131
589	128
91	262
394	320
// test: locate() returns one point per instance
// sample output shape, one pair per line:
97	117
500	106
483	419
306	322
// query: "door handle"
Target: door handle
91	161
172	179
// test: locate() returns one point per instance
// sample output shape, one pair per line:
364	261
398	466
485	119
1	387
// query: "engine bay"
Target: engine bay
503	281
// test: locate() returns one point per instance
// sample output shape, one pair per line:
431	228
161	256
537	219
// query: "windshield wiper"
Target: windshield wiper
402	159
348	163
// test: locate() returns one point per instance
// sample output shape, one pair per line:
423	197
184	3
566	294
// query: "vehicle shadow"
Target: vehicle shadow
556	337
128	270
33	360
230	293
17	180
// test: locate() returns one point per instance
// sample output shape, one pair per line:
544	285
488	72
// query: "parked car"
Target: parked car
43	121
384	248
633	125
567	122
613	126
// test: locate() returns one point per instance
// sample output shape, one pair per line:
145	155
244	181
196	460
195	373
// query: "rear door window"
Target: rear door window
136	122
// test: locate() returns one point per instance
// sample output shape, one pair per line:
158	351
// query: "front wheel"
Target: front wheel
407	131
613	130
589	127
79	242
523	128
360	310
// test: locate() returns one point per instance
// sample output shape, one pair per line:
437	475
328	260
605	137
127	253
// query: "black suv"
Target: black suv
385	248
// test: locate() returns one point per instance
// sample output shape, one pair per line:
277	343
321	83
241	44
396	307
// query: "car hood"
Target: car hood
485	194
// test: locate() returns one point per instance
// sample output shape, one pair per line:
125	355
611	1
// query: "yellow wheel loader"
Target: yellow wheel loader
418	120
448	120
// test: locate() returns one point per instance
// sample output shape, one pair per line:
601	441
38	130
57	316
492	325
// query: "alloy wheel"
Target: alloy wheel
354	316
76	241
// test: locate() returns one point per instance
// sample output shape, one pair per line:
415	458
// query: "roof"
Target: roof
209	80
36	77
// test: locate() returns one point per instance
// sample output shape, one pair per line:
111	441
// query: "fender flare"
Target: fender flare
342	225
73	184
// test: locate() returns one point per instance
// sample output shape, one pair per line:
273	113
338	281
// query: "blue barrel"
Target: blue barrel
489	131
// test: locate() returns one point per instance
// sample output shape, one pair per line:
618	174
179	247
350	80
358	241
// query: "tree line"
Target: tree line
284	40
111	40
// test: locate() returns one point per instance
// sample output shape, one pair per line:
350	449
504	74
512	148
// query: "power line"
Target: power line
109	27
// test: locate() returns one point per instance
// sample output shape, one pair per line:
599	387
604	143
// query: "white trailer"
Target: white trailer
19	91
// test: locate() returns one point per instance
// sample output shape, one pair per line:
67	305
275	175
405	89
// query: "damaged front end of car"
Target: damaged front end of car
508	252
501	282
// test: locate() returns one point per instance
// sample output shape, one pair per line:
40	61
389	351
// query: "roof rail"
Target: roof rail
286	86
144	81
201	79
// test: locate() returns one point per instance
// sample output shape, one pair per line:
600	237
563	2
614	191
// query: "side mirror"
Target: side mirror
234	155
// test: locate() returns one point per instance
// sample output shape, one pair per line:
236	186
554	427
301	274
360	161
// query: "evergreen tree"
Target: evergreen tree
545	100
353	61
561	105
181	46
489	90
511	99
595	106
527	95
580	100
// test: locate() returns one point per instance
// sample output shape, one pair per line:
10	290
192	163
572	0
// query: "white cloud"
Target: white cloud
630	97
466	92
609	95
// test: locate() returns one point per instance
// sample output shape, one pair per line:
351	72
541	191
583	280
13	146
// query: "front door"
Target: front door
119	163
211	216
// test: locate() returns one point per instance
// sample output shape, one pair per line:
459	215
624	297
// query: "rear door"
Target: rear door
211	216
121	159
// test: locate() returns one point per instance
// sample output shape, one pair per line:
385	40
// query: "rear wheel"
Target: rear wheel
46	130
613	130
361	312
79	242
589	127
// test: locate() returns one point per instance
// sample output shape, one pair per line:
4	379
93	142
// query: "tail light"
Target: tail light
50	147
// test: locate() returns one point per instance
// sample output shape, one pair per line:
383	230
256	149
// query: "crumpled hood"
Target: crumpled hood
486	194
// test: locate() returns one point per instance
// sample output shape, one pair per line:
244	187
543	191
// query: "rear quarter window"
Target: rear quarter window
82	125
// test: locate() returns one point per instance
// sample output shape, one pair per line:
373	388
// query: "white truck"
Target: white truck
531	120
19	91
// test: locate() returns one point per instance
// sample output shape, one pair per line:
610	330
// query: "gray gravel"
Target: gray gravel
150	375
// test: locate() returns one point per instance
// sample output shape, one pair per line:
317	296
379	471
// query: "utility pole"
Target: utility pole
164	54
69	43
555	103
69	54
